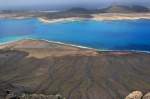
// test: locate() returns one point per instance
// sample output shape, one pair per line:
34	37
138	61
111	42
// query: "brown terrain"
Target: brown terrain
40	67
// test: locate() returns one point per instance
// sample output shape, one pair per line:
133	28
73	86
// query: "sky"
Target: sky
58	4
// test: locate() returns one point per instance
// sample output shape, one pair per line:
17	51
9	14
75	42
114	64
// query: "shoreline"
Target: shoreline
95	17
99	17
47	21
73	45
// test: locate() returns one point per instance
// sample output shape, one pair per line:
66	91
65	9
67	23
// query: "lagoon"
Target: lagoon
102	35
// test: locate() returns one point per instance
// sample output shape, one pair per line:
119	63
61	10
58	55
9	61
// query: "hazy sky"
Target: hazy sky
4	4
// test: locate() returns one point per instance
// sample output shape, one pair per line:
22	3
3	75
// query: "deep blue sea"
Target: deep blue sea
103	35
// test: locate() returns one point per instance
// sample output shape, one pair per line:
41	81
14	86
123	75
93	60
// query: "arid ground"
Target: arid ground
31	66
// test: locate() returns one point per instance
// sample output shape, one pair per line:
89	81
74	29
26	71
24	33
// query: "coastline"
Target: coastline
96	17
45	20
99	17
3	45
45	68
29	64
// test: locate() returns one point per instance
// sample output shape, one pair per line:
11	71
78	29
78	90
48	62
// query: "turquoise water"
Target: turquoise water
105	35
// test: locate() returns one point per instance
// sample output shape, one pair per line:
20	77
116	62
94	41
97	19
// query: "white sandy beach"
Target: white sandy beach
101	17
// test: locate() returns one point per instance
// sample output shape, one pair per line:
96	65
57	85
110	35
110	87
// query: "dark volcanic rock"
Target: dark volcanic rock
72	72
33	96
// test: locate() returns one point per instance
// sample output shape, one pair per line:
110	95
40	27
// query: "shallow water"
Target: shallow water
105	35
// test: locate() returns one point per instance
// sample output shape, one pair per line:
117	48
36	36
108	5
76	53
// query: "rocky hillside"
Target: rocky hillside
39	67
125	9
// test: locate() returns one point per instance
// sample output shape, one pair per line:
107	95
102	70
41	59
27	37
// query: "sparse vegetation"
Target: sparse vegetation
73	72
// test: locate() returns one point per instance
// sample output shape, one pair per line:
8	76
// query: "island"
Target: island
40	69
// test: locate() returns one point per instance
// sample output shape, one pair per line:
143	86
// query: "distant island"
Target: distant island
109	13
114	12
38	68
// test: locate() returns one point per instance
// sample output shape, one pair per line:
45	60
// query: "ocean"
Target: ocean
125	35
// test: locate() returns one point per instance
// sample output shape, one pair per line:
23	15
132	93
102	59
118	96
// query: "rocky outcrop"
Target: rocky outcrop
135	95
138	95
147	96
12	95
